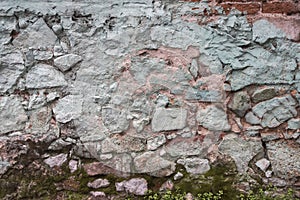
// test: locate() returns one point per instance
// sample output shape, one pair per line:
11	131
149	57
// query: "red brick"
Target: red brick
232	1
250	8
281	7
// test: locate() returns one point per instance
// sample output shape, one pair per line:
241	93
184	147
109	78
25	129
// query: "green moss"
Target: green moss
221	177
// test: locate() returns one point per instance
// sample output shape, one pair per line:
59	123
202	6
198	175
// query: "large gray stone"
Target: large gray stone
262	70
66	62
187	147
169	119
264	30
11	68
44	76
152	163
115	120
275	111
241	150
284	157
68	108
12	115
213	118
36	36
263	164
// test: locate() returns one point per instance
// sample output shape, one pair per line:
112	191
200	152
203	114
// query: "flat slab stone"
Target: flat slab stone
44	76
66	62
204	95
195	165
168	119
264	70
152	163
263	94
275	111
12	115
180	147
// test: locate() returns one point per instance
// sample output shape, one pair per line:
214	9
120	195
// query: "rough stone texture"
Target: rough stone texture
186	147
68	108
11	68
152	163
4	167
73	165
155	142
213	118
263	94
138	85
294	124
270	73
287	153
195	165
115	120
168	119
240	103
12	114
137	186
97	168
263	164
264	30
56	160
36	36
275	111
44	76
66	62
232	145
284	158
98	183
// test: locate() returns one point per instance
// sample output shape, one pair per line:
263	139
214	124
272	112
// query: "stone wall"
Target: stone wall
146	86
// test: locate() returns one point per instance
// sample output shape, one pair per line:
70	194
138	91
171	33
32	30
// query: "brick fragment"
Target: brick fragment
281	7
250	8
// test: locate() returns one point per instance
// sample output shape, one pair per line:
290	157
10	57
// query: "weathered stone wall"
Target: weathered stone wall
144	86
